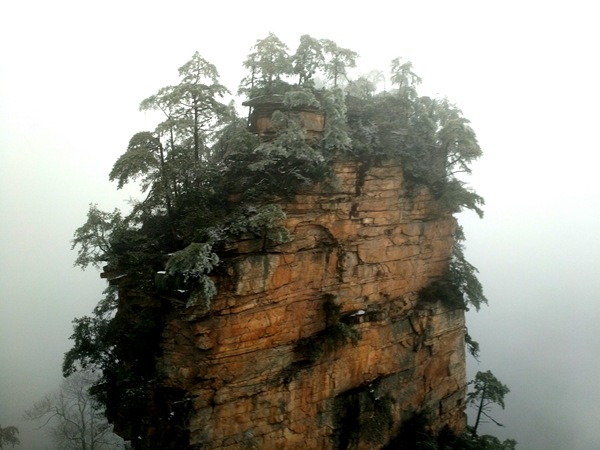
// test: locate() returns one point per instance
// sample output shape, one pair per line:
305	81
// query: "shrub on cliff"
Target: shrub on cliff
459	288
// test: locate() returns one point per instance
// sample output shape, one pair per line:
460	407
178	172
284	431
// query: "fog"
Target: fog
526	75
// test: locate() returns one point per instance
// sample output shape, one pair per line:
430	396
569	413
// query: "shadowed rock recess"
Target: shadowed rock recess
260	369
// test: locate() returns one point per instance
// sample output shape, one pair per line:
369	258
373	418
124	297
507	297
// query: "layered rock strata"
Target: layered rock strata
368	245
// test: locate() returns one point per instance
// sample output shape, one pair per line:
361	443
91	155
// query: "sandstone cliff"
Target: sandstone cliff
234	378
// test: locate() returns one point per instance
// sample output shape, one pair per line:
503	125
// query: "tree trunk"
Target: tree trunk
479	411
196	136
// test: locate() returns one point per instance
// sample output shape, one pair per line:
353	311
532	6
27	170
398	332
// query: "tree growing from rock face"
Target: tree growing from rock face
192	115
198	109
487	390
73	418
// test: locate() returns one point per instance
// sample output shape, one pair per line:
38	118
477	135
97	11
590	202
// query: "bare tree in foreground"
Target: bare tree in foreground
487	390
72	417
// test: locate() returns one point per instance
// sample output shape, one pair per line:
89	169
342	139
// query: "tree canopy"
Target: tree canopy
184	165
269	63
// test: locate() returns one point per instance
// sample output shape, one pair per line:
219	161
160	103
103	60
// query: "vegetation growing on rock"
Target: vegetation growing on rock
335	335
415	434
209	182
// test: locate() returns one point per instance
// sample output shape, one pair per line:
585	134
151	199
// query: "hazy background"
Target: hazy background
526	73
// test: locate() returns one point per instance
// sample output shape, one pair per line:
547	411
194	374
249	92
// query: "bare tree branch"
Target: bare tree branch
71	417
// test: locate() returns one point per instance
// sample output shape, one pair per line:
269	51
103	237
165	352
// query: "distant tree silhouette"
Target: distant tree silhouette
73	418
8	436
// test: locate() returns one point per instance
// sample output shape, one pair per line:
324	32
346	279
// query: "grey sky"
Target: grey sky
525	73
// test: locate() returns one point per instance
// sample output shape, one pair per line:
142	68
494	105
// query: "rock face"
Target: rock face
368	246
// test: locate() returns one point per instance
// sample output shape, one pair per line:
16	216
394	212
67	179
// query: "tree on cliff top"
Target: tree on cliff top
170	159
268	62
337	61
307	60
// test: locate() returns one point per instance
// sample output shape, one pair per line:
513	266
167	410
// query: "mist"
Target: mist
526	75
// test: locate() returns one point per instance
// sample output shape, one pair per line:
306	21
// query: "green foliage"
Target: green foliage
404	78
415	435
339	334
289	149
263	222
188	182
443	291
362	414
430	136
309	349
462	274
333	311
201	155
269	65
487	390
334	336
472	346
280	165
378	423
337	61
336	137
194	263
105	341
8	436
268	62
459	287
360	88
307	60
95	237
192	109
454	196
487	442
142	158
199	112
92	345
300	97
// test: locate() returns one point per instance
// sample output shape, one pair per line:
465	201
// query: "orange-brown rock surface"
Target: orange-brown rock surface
372	246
